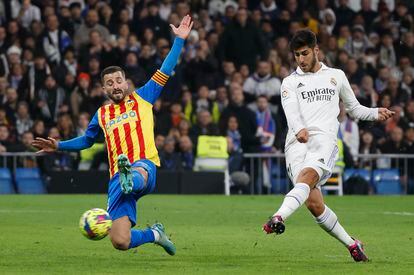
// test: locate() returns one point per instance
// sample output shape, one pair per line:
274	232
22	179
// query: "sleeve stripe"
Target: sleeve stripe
160	78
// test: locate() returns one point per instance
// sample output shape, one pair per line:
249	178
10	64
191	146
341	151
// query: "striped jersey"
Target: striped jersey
128	126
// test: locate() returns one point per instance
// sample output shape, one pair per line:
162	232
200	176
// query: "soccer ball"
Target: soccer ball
95	224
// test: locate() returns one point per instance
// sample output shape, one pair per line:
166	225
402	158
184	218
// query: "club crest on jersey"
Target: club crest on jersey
284	94
130	102
333	81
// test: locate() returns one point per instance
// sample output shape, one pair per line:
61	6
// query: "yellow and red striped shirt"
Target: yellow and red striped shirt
129	125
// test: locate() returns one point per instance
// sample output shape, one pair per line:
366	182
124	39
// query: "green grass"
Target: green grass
213	234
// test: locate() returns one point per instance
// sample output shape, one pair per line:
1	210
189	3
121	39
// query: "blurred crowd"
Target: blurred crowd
227	81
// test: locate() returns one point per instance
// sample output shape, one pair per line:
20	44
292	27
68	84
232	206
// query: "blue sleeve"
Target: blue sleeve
152	89
82	142
172	58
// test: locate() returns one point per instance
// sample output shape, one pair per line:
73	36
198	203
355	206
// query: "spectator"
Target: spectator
51	100
184	128
246	118
96	47
55	40
159	142
202	102
242	42
262	83
35	76
170	160
408	119
358	43
234	144
387	54
65	126
367	146
5	142
186	153
201	70
91	23
28	13
266	125
23	121
58	161
133	71
39	129
348	131
222	98
367	14
204	126
80	93
154	22
406	47
83	122
398	95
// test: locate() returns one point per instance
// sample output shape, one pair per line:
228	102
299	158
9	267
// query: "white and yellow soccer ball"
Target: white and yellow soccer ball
95	224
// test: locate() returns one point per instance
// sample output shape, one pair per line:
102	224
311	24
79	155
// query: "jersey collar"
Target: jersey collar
323	67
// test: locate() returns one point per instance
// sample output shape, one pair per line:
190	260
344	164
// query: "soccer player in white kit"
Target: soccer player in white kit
310	99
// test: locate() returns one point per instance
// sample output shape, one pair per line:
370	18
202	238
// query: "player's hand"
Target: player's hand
48	145
185	27
303	136
384	114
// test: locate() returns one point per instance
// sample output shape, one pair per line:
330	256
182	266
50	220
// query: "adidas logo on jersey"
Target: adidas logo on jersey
300	85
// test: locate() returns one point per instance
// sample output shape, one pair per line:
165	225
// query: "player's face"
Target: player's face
306	58
115	86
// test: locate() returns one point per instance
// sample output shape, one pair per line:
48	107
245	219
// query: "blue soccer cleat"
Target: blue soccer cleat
125	174
164	241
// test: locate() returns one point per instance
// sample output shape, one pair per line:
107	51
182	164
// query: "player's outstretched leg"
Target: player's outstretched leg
129	178
162	238
329	222
307	178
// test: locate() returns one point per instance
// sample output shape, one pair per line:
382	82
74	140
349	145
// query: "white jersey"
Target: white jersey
311	101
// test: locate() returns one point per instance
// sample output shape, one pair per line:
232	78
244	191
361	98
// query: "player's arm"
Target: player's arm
152	89
76	144
290	104
355	109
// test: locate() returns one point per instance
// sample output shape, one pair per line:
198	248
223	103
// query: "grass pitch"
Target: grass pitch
213	234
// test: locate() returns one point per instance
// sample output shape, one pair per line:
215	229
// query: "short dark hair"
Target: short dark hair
303	38
111	70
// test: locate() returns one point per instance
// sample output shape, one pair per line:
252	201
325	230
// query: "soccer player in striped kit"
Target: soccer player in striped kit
128	126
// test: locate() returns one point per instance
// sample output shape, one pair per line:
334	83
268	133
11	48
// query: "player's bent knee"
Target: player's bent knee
120	242
309	176
315	207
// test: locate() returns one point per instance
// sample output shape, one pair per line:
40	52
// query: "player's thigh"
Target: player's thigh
120	232
315	202
295	156
150	175
321	156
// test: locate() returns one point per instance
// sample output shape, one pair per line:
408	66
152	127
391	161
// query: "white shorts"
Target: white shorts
319	153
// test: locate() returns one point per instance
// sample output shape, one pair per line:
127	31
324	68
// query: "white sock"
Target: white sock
293	200
156	235
329	222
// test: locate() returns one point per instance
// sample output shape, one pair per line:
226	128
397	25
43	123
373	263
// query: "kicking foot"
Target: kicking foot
357	252
274	225
164	241
125	174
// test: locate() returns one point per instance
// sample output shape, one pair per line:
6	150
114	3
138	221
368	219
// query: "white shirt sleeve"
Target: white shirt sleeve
352	106
290	105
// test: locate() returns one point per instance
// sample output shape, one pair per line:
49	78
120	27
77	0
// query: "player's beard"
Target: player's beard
117	98
313	62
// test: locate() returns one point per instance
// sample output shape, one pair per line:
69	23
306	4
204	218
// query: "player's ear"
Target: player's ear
316	50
